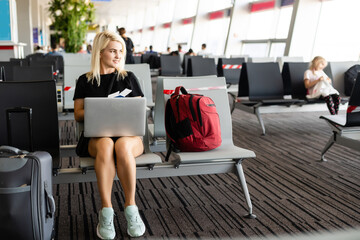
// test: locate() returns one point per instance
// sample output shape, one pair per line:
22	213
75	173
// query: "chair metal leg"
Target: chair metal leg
257	113
328	145
242	180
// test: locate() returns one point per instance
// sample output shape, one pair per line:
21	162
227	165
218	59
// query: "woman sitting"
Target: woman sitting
107	76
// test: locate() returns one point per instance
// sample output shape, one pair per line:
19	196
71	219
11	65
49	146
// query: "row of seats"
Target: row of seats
32	68
226	158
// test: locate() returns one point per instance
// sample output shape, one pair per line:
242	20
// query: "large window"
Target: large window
181	34
166	10
161	37
213	33
185	9
267	32
337	37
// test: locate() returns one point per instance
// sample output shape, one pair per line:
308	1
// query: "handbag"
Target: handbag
82	146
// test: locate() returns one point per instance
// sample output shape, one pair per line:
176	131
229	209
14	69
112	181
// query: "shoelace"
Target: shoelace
136	219
107	224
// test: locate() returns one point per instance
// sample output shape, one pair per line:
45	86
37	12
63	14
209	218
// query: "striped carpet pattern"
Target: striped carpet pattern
291	191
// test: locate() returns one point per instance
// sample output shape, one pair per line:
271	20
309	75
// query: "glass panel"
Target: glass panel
181	34
146	38
150	16
214	39
255	49
166	10
161	37
337	38
261	24
282	29
277	49
185	8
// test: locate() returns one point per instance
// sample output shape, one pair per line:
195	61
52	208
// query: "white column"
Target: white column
25	25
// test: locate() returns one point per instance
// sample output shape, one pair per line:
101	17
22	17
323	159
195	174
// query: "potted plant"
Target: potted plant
70	21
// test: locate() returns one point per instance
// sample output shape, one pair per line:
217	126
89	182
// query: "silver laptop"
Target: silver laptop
114	117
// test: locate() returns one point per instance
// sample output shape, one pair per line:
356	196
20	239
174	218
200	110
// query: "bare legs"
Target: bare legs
126	148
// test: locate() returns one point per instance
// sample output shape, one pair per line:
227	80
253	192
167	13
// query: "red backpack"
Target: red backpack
192	122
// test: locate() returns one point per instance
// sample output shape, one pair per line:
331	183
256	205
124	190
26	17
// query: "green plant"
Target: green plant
70	21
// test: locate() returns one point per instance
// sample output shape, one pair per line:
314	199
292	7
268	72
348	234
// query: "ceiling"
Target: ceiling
105	9
119	7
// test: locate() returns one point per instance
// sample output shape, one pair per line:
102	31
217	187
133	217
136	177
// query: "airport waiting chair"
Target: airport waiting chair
230	68
33	73
137	59
225	158
157	129
40	97
147	160
246	57
2	73
43	62
262	84
283	59
8	70
201	67
152	59
22	61
75	64
293	78
346	128
260	59
170	65
143	74
185	62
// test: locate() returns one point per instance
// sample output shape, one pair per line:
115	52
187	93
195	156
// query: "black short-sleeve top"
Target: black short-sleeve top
85	88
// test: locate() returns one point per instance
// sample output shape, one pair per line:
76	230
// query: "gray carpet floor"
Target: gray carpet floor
291	191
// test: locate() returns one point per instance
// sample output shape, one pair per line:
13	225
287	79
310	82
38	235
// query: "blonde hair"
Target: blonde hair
101	41
316	61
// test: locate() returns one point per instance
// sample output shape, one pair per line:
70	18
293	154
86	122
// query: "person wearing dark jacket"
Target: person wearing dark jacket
129	46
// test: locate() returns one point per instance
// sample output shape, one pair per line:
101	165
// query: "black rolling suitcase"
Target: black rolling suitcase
27	206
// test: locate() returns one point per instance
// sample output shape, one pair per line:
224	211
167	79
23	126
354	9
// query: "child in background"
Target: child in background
319	85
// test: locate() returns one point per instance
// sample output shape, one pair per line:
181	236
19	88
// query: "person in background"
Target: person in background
190	53
319	85
40	49
151	50
203	51
129	46
54	50
181	53
89	48
107	76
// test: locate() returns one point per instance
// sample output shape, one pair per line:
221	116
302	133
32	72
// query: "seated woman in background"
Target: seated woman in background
107	76
319	84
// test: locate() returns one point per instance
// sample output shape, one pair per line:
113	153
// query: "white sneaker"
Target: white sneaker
135	225
105	228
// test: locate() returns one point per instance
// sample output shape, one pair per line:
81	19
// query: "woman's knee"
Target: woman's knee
101	147
128	146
